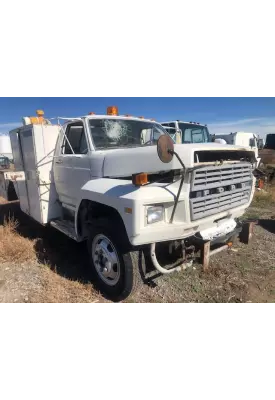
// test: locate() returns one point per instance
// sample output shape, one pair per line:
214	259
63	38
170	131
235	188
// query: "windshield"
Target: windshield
194	134
117	133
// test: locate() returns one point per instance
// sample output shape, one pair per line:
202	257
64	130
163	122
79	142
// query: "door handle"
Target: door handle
59	162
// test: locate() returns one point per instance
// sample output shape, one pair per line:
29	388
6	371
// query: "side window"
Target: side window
145	136
150	136
156	134
77	139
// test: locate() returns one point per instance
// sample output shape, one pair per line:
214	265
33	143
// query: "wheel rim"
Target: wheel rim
105	259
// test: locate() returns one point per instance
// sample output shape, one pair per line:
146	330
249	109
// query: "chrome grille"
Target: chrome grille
219	188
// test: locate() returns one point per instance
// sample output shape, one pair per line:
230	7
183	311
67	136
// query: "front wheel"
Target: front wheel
117	272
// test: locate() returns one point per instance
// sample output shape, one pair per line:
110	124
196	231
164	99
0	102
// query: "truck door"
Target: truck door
72	164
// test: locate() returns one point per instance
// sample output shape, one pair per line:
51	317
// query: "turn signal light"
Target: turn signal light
112	110
140	179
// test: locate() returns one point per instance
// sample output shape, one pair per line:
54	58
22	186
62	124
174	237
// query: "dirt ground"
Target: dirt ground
39	264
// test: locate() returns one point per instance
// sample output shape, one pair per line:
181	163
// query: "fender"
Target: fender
128	200
115	193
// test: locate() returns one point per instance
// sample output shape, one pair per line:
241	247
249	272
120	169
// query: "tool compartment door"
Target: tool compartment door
45	138
29	162
37	145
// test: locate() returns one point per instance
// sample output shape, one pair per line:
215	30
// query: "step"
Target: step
66	227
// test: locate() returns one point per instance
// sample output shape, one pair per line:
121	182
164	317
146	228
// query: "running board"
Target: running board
65	227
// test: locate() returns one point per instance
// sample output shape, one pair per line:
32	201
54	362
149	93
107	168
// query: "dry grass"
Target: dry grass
25	277
13	247
57	289
264	197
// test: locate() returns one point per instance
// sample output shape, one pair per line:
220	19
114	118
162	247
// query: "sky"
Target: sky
222	115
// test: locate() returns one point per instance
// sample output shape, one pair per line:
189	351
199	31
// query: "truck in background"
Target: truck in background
4	162
267	153
187	132
5	147
194	132
120	183
247	139
7	189
5	152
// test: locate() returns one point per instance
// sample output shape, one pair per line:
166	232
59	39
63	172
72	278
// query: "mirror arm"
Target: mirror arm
178	157
181	184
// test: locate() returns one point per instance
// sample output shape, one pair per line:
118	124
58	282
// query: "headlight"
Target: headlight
155	214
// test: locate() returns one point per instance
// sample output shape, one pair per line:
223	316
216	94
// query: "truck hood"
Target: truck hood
125	162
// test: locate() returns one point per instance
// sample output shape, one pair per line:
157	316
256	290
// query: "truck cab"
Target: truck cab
121	184
187	132
83	151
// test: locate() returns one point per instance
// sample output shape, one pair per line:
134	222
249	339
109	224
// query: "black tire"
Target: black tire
132	264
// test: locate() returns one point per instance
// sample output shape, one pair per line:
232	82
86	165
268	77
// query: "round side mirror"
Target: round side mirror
165	148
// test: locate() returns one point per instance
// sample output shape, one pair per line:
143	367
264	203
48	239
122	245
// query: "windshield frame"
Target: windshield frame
152	124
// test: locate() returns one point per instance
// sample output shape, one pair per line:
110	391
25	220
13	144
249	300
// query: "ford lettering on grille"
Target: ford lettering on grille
219	188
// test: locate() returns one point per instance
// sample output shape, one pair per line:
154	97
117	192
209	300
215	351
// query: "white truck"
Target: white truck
120	183
5	146
246	139
187	132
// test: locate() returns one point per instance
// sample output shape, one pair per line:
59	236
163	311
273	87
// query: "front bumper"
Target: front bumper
161	232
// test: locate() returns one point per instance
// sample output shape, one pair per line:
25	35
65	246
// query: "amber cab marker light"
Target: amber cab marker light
39	119
141	117
91	113
112	110
140	179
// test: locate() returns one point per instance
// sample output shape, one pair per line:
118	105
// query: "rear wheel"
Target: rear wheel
116	270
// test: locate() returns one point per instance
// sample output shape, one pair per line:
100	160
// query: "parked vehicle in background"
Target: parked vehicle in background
267	154
261	143
247	139
4	162
119	183
266	171
187	132
270	141
5	147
